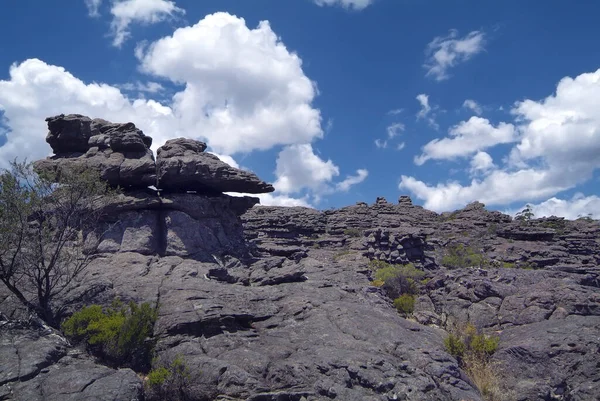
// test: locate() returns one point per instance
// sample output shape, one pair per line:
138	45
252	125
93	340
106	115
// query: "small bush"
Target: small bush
508	265
117	334
397	279
473	350
454	346
484	345
460	256
169	381
352	232
405	304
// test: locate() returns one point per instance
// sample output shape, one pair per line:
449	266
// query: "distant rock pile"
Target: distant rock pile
121	154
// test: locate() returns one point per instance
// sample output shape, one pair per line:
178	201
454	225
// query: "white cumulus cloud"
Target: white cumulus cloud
481	163
467	138
244	90
36	90
578	206
558	148
127	12
445	52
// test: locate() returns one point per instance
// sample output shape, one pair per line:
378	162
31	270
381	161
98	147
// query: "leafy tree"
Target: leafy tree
44	220
526	214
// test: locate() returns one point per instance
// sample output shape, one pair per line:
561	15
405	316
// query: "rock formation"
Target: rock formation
122	155
120	152
182	164
275	303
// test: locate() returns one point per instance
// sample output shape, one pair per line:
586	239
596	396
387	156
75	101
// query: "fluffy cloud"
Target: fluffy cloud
499	187
467	138
250	90
558	148
299	168
126	12
473	106
243	89
578	206
354	4
36	90
445	52
93	6
481	163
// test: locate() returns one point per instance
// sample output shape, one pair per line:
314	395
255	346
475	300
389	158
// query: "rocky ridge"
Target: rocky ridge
275	303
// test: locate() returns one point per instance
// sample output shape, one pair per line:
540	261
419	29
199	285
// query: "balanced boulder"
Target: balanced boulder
182	165
119	152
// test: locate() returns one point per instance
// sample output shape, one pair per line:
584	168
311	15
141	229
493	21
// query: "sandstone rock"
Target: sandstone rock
119	152
182	166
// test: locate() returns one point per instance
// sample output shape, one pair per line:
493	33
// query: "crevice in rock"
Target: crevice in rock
161	235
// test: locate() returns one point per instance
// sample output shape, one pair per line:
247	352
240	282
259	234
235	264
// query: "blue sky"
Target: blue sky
334	101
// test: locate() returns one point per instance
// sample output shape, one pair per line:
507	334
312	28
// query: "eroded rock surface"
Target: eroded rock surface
183	165
273	303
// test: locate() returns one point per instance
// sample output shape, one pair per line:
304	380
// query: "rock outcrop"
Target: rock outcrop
121	154
183	165
275	303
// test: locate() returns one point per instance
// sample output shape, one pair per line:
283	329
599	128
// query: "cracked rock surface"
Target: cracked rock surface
274	303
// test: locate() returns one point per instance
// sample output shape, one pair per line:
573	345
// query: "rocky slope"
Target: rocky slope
273	303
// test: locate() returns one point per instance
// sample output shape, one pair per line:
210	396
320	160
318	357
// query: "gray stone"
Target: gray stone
182	165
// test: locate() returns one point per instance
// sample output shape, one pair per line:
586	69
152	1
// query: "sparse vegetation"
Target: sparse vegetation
341	254
170	380
473	350
526	214
117	334
44	220
405	304
460	256
353	232
400	282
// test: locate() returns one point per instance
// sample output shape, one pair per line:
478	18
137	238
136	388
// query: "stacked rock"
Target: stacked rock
121	154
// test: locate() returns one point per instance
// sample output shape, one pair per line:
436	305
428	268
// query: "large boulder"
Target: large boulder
119	152
182	165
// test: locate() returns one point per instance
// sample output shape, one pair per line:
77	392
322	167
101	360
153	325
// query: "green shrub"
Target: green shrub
473	350
118	334
454	345
482	344
508	265
158	376
405	304
469	342
459	256
169	381
352	232
386	273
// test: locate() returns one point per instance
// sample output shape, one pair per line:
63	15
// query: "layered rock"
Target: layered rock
183	165
119	152
279	304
